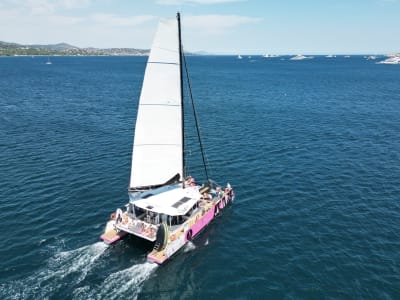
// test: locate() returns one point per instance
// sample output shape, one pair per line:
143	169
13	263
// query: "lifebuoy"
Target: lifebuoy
112	216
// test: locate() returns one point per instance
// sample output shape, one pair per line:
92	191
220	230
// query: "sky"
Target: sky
214	26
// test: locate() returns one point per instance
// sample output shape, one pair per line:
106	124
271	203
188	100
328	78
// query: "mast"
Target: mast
178	17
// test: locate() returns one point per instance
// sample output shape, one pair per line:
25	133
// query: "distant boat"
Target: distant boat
301	57
166	206
347	56
371	57
239	56
270	55
48	62
330	56
392	60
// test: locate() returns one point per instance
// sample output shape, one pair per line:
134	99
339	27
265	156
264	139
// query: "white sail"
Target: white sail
157	149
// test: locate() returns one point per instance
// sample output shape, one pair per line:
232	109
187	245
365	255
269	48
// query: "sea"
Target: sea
311	148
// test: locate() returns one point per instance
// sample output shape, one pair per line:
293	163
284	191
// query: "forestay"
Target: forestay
157	149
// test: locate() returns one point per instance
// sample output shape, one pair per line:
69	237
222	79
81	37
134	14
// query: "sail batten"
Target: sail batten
158	142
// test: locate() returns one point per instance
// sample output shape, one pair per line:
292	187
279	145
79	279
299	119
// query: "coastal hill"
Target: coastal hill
14	49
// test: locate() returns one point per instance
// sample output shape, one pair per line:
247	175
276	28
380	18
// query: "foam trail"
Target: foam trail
189	247
80	260
124	283
50	278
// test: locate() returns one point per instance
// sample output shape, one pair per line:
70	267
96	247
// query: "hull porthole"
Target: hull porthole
189	235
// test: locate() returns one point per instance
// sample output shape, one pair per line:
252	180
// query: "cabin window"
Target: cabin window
131	209
139	212
164	219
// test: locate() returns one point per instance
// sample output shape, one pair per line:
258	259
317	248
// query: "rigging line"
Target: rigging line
195	117
210	170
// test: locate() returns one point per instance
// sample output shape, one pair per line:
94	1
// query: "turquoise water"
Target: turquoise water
312	149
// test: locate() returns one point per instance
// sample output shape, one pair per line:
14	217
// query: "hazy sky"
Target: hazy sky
217	26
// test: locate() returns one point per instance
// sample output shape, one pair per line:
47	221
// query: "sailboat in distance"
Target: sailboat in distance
166	206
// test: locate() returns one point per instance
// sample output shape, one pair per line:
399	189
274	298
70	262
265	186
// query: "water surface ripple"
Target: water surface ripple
311	147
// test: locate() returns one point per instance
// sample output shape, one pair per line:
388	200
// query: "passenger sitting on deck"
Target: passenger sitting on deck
228	192
188	181
206	196
219	192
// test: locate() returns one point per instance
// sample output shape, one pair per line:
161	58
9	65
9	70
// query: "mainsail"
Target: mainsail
158	143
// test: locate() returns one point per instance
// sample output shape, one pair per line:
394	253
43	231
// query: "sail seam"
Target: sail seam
162	63
166	49
159	104
157	145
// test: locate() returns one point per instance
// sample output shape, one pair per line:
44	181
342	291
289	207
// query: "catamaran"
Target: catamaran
166	206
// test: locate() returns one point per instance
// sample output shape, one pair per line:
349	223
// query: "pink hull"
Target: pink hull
208	217
199	225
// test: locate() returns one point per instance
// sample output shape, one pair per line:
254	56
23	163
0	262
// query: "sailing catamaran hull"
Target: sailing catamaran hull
166	205
208	210
191	229
111	234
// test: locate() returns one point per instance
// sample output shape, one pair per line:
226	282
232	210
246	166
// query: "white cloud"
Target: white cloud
115	20
62	20
72	4
217	24
38	7
48	22
189	2
42	7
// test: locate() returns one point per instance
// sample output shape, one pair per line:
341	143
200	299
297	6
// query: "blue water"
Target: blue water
312	149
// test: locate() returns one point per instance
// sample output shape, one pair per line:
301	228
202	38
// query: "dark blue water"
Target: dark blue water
311	147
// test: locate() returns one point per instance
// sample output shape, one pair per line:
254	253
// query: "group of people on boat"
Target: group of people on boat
190	181
218	193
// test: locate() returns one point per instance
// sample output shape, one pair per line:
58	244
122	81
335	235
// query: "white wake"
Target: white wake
189	247
126	283
46	280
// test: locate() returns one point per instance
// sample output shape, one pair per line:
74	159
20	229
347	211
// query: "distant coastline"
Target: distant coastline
63	49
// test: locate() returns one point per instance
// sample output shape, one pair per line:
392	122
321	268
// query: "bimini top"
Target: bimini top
174	202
